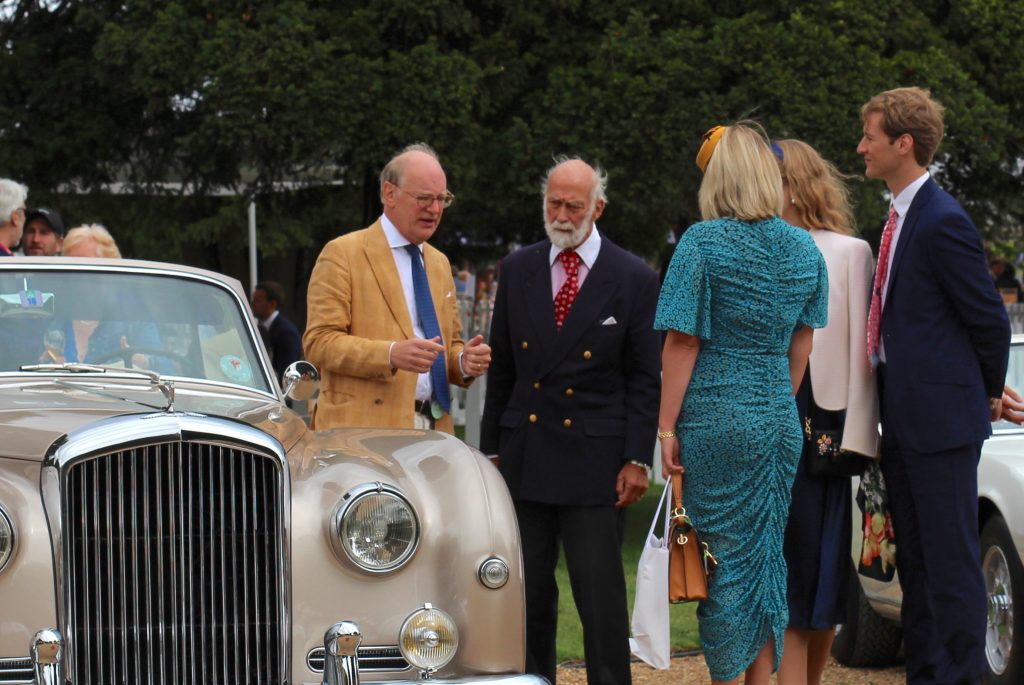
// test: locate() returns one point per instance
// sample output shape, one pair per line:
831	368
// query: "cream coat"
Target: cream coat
356	309
841	377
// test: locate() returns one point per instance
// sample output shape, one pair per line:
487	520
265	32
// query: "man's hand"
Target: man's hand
631	484
416	355
476	357
1011	408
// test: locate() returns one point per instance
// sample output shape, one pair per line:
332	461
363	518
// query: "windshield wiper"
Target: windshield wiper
155	379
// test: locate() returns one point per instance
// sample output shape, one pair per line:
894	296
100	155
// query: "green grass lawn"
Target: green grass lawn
682	616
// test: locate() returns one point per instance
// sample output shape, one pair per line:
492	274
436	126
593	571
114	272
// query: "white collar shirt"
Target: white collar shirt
901	203
403	262
587	251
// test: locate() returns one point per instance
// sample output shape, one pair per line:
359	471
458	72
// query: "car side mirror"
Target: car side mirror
301	381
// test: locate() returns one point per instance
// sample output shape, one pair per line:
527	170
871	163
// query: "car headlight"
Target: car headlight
428	639
377	527
6	538
493	573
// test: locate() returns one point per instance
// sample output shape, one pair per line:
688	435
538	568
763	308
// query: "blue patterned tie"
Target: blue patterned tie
428	319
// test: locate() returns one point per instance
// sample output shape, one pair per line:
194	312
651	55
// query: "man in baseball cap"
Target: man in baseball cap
44	232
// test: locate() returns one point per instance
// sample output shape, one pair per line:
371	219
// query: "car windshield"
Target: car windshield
173	325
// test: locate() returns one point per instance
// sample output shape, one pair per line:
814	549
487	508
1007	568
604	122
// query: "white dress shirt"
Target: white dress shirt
901	203
588	255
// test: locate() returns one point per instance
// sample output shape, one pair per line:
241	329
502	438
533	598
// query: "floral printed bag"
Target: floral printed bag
878	553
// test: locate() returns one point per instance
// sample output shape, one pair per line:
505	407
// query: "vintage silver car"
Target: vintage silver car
872	636
166	518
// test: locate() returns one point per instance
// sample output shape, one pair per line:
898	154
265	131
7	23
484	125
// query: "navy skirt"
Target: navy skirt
818	534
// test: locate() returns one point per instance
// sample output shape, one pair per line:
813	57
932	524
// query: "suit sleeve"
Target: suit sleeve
860	431
501	375
957	257
328	342
642	370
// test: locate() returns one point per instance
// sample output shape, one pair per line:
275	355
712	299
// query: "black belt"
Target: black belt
423	407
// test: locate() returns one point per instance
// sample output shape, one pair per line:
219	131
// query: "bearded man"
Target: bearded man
571	413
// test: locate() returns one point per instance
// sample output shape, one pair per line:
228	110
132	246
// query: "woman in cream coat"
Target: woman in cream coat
818	534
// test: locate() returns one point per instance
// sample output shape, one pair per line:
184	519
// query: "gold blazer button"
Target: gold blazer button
525	344
567	423
587	355
533	418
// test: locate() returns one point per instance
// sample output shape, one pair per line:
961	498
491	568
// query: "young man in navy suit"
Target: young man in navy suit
941	344
571	412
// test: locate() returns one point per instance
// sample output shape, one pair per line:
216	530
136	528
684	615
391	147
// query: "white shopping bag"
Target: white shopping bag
650	624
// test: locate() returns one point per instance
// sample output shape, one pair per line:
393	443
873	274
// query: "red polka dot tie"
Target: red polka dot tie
567	293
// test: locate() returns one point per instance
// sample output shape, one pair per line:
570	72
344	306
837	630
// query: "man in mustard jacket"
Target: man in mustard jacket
383	322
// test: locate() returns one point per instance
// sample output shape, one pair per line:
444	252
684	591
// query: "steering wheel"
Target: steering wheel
126	353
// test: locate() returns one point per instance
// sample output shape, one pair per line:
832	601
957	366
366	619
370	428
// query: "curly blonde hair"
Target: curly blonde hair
817	189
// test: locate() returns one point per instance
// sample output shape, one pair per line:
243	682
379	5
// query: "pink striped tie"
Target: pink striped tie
881	272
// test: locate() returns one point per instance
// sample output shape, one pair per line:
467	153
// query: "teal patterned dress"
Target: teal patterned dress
742	288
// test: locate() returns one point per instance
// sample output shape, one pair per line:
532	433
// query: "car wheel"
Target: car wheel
866	639
1004	583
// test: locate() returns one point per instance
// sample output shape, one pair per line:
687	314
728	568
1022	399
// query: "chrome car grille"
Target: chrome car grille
16	671
173	559
371	659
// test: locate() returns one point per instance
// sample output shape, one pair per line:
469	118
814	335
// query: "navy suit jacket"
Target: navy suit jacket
565	410
283	343
945	330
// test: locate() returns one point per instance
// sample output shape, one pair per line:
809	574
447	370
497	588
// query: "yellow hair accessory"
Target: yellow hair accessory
707	148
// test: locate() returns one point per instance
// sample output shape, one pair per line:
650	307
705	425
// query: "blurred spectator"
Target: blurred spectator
1006	280
90	240
280	336
44	233
12	214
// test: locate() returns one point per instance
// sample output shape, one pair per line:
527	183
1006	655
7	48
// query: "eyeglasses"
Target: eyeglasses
424	200
571	207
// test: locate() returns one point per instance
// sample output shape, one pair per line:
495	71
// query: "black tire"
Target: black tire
1004	586
866	639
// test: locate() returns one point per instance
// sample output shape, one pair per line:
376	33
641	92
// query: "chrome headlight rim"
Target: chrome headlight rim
494	573
352	498
415	658
7	529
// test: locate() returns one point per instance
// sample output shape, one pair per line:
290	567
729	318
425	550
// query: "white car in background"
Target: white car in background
872	635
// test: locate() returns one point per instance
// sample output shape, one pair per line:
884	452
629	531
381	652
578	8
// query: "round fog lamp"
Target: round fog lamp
6	539
494	573
428	638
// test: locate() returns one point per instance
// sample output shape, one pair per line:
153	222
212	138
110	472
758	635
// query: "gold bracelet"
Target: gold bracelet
666	434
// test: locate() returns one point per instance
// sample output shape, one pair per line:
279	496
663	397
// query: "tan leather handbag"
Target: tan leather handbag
690	562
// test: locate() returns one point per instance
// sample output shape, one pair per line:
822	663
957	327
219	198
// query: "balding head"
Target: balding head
414	192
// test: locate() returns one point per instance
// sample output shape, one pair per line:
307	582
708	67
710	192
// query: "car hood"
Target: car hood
40	410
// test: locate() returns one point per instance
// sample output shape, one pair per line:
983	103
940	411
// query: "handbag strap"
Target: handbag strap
662	506
677	492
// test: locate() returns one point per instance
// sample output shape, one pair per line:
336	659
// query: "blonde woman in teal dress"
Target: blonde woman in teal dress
740	299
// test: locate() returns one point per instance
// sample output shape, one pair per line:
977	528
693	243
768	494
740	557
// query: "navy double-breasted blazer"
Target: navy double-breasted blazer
945	330
566	409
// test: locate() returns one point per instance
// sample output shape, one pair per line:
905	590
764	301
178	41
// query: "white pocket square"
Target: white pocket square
610	321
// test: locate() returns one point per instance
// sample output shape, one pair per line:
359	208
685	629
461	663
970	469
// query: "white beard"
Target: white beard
564	235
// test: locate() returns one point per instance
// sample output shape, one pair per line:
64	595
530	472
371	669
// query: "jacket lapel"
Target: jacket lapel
596	290
906	232
539	304
382	262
